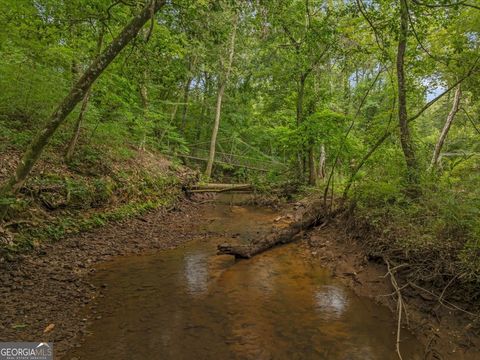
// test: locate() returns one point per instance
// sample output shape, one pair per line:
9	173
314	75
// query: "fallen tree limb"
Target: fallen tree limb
219	187
312	216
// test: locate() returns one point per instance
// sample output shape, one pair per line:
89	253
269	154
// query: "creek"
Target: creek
189	303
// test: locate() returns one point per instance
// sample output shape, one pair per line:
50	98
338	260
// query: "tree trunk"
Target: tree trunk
300	96
204	111
172	118
446	128
144	93
144	97
186	93
216	125
312	179
78	124
221	90
405	137
76	94
321	162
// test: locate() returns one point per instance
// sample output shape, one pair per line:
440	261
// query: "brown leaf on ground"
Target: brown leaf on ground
49	328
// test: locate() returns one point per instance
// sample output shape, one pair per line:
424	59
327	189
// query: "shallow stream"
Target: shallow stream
189	303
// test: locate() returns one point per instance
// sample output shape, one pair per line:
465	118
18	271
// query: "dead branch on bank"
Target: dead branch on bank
442	301
400	304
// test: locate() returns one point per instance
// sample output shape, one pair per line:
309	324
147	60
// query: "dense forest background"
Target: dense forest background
373	105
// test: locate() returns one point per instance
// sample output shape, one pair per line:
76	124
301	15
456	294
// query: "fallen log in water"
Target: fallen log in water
219	187
312	216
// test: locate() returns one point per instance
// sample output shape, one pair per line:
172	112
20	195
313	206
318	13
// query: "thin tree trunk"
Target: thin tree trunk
204	113
405	137
216	125
78	124
76	94
446	128
300	96
186	93
172	118
321	162
143	90
144	97
346	93
299	105
201	118
312	179
174	113
221	90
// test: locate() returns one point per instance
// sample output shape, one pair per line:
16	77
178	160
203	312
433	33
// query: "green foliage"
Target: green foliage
306	75
323	127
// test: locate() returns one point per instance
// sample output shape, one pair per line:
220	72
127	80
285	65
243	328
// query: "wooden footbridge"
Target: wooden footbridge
236	153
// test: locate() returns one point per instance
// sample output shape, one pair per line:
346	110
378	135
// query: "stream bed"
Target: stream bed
189	303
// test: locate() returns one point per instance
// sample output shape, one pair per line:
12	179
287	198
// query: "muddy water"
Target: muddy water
188	303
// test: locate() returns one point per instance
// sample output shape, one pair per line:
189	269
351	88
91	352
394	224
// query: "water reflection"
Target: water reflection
331	301
196	273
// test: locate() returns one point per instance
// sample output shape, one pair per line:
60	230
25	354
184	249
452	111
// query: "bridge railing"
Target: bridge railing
236	160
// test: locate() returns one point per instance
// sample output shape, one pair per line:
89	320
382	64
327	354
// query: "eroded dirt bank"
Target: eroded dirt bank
446	332
43	292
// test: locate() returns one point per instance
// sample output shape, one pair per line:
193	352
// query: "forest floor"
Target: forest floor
446	333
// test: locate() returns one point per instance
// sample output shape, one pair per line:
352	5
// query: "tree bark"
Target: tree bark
405	137
446	128
76	94
221	90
